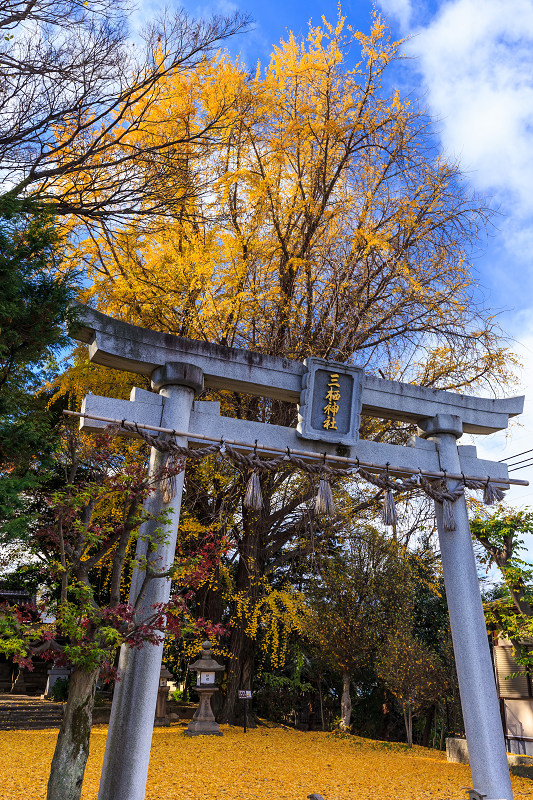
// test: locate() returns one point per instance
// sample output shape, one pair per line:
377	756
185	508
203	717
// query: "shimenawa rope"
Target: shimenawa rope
438	490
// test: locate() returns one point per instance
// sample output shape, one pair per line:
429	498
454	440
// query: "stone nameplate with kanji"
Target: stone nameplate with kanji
330	402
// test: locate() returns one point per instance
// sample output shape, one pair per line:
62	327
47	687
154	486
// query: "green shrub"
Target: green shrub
59	691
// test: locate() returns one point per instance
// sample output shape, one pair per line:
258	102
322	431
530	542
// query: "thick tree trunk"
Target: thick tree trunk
442	732
241	664
234	675
240	676
385	720
430	716
72	746
346	702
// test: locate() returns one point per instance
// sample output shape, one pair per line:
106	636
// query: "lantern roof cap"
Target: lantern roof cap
206	662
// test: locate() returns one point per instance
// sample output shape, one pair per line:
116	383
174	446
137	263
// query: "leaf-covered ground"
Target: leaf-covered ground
269	763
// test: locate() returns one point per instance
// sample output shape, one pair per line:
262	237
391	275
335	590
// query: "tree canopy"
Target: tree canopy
356	600
330	226
501	535
76	94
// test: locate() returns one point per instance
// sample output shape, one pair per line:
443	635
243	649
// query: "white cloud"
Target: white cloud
517	439
476	60
398	9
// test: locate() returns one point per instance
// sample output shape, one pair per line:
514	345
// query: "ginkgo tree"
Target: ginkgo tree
355	601
74	94
412	672
330	226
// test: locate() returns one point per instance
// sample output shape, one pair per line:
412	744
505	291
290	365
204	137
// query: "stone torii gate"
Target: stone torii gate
331	398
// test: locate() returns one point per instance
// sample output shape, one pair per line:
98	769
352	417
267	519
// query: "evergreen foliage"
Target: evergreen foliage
34	306
35	297
511	613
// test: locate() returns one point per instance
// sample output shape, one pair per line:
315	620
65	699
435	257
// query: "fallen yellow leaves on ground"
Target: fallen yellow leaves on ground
268	763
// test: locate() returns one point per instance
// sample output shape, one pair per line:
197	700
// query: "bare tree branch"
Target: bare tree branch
75	95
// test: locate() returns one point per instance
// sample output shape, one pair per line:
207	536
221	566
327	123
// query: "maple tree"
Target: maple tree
83	533
331	228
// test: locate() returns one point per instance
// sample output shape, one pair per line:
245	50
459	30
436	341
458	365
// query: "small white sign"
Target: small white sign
205	678
245	694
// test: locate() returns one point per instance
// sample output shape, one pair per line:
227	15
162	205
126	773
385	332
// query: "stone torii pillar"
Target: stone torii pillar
479	701
131	724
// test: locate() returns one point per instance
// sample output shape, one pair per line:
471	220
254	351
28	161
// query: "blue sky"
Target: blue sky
471	64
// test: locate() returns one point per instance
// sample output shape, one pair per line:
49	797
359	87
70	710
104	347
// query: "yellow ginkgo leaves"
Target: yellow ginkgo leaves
263	763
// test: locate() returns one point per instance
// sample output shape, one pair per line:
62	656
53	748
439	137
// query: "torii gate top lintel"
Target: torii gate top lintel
120	345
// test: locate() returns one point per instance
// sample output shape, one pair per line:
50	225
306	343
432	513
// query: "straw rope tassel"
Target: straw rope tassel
253	498
324	503
389	515
448	519
169	479
491	494
436	489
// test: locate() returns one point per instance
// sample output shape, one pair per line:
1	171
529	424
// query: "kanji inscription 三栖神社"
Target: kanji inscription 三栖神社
331	398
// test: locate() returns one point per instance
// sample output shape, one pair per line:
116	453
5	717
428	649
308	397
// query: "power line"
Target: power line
516	455
522	462
525	466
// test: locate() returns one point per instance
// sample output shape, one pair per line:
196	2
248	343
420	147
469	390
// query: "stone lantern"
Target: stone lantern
203	723
161	715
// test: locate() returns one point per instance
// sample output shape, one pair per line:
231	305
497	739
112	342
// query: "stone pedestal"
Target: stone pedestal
203	723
